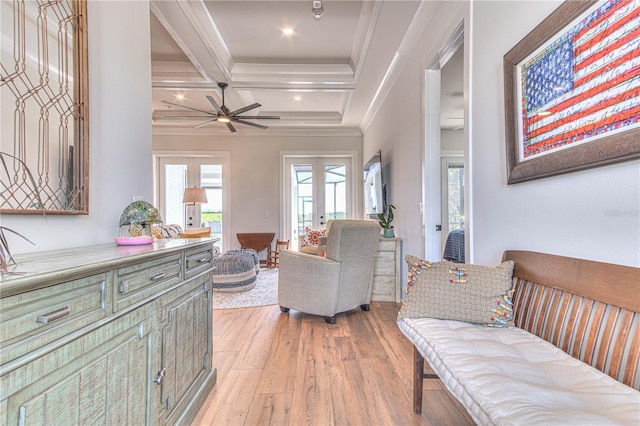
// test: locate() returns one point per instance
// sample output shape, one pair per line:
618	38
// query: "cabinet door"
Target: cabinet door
102	377
186	347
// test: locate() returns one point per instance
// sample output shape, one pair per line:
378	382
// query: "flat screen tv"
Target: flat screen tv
374	191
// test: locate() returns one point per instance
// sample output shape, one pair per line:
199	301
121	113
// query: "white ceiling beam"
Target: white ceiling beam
311	73
191	26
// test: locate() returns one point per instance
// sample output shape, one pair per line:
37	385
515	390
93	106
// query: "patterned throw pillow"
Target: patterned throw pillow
311	236
462	292
167	231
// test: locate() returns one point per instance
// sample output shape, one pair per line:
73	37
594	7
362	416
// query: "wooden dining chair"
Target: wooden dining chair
273	256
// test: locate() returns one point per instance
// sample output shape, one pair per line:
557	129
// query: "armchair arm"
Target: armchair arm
322	246
308	283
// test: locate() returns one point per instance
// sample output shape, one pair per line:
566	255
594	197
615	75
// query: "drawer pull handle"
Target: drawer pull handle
157	277
204	259
158	380
52	316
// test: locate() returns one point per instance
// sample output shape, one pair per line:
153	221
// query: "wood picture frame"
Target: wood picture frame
610	143
44	85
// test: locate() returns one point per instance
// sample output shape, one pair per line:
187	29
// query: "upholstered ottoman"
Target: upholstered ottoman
234	272
251	252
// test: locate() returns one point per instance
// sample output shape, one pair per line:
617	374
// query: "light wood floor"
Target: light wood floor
294	369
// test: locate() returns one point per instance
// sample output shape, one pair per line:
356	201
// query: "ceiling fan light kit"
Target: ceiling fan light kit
222	114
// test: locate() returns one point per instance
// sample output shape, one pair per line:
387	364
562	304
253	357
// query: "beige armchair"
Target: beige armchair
339	282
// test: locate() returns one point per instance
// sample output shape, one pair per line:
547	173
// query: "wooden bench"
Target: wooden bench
590	310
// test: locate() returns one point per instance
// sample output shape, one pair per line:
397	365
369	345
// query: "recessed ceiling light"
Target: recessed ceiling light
287	31
179	97
297	98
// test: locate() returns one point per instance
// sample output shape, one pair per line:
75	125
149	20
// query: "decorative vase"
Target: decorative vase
388	232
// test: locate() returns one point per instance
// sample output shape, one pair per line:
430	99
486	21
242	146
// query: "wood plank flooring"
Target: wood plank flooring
294	369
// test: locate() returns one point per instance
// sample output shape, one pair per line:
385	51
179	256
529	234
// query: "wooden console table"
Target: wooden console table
256	240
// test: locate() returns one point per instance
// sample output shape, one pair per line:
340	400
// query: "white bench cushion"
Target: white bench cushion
508	376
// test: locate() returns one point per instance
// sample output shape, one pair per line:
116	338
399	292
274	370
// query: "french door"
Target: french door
317	189
175	173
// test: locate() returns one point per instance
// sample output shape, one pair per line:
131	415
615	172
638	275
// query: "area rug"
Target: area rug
265	292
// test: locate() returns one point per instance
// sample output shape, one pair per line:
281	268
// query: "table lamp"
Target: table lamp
193	196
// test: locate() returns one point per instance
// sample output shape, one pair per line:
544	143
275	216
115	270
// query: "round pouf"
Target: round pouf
251	252
233	273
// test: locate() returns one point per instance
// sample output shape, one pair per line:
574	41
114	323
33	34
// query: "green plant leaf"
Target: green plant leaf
34	190
5	253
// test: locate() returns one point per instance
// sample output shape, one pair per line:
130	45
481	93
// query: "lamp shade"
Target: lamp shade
194	196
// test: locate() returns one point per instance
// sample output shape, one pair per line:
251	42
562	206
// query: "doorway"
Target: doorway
175	173
316	189
453	206
445	145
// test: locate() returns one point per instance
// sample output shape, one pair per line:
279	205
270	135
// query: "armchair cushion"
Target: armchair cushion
309	250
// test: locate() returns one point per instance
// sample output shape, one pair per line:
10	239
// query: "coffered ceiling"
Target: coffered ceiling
330	73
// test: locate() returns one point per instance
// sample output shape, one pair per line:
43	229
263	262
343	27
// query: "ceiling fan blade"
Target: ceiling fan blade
215	104
184	106
248	123
231	128
205	123
186	116
259	117
247	108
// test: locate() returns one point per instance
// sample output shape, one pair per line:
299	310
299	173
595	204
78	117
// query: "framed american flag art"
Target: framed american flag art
572	90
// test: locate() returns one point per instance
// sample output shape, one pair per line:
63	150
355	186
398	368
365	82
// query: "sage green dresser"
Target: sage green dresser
113	335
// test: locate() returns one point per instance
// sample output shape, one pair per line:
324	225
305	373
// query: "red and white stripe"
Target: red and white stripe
606	84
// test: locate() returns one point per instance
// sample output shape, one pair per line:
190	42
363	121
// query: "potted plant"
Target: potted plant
385	222
6	258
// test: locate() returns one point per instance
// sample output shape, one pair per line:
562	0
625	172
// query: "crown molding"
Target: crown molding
249	131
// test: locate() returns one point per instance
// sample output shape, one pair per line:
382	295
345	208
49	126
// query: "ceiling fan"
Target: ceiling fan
223	115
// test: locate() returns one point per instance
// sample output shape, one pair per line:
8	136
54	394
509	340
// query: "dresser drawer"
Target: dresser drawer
198	261
384	289
385	263
33	319
138	282
386	245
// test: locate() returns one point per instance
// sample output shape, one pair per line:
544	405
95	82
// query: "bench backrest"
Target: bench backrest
588	309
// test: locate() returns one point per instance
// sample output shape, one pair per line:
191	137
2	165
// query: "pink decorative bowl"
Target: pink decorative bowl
134	241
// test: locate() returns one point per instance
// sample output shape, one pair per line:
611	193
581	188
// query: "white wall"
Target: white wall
593	214
119	131
255	170
452	142
397	128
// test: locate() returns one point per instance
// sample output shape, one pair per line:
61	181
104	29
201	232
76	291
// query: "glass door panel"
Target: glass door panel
174	184
211	212
177	173
452	201
335	191
455	202
302	196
